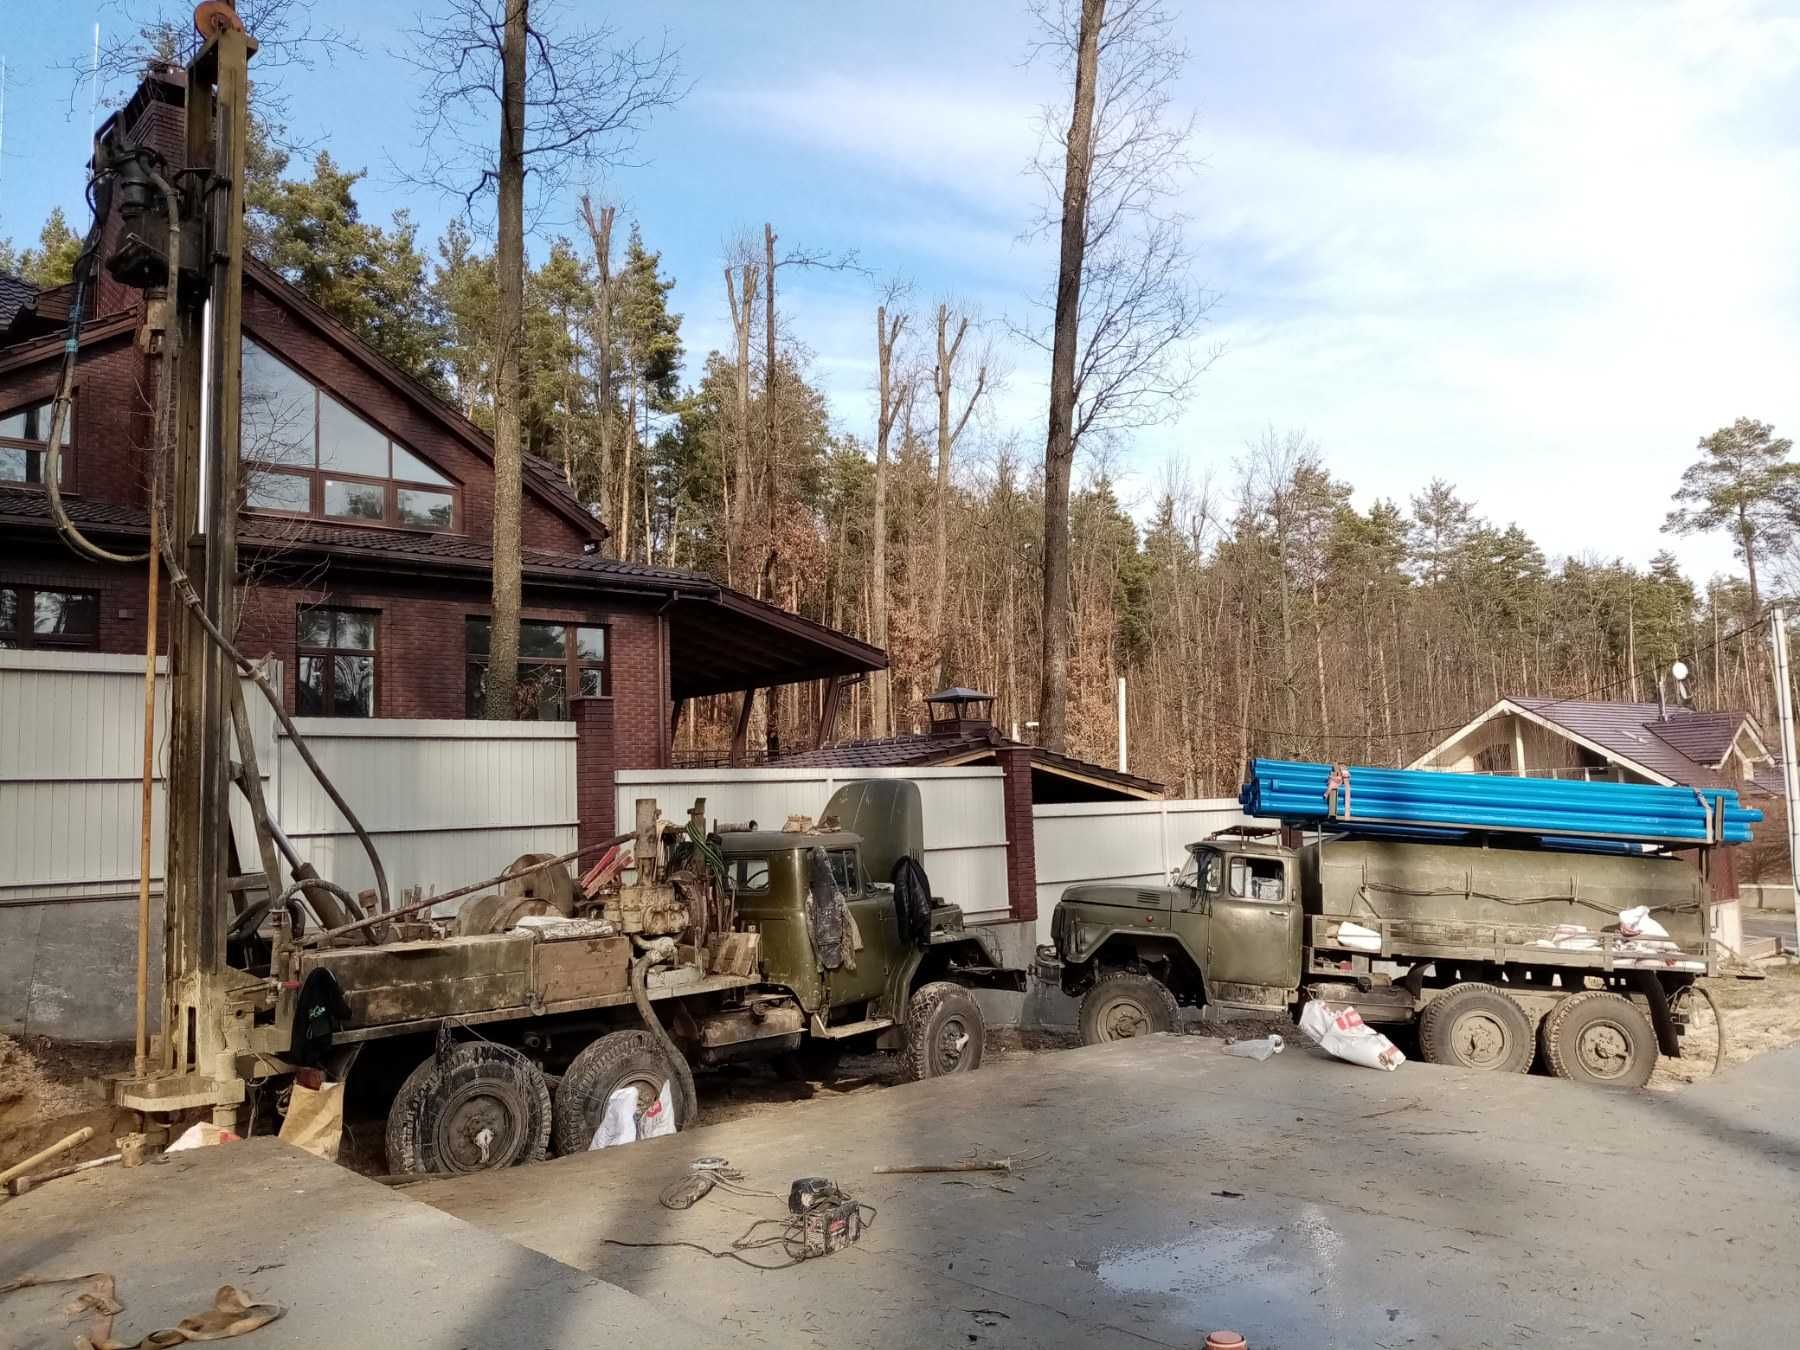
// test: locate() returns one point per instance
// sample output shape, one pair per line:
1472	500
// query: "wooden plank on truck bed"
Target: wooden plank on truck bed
575	968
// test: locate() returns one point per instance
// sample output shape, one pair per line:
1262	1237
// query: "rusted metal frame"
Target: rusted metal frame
709	984
317	939
250	782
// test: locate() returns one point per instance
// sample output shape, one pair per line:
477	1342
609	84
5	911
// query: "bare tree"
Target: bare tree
950	428
599	227
1123	312
894	396
567	102
740	298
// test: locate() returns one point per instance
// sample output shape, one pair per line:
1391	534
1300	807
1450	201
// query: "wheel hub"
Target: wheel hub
1480	1040
476	1130
1123	1019
1604	1050
952	1037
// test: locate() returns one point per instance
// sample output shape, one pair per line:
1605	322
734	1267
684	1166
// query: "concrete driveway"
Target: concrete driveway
1300	1201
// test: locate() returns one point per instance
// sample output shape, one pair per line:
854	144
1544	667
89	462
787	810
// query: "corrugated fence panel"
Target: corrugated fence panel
1130	843
446	802
965	817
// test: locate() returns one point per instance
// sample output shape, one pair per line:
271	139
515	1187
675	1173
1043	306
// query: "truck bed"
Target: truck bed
1414	940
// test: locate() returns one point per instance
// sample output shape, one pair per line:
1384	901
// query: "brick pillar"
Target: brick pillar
1021	832
595	760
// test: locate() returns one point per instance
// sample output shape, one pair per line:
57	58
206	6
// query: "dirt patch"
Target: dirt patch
53	1092
1760	1015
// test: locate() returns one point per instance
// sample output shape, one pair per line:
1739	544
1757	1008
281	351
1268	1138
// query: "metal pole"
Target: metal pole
1790	769
141	1061
1124	760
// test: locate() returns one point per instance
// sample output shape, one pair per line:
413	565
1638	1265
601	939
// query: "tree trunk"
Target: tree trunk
625	449
772	446
1059	446
503	635
599	227
880	683
741	299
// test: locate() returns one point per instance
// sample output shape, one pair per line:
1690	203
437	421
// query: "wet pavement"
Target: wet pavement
1303	1202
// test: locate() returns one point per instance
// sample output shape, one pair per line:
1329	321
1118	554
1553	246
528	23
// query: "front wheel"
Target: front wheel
1123	1005
945	1032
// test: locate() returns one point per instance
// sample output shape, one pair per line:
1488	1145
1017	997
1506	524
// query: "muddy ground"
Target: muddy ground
48	1090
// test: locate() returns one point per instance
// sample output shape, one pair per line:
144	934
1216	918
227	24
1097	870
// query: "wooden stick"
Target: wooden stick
19	1185
973	1165
63	1145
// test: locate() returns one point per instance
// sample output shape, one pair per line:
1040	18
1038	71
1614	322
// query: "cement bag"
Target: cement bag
315	1120
658	1118
618	1124
1342	1032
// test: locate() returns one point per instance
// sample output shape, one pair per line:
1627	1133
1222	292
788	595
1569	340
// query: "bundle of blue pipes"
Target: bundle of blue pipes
1337	796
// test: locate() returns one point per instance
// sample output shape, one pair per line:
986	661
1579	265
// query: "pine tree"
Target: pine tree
52	262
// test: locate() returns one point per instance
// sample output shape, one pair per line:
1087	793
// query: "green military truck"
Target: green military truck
1499	953
509	1026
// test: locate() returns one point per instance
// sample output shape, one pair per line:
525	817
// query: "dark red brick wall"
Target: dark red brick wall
1021	832
105	460
124	597
419	665
596	756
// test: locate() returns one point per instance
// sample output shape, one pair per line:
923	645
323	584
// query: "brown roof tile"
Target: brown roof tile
1638	732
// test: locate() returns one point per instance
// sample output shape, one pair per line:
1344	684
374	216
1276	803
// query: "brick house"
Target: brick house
364	535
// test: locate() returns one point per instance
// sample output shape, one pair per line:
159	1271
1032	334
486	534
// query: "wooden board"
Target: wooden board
581	968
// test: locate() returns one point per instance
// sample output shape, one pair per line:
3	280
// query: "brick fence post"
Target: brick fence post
1021	832
595	759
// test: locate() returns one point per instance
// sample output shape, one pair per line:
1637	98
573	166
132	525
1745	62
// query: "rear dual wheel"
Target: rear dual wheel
1600	1039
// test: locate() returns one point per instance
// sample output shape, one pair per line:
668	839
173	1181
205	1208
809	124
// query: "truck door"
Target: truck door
873	911
1254	936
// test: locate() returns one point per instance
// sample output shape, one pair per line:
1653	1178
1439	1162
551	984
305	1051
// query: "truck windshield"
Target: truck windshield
844	872
1200	871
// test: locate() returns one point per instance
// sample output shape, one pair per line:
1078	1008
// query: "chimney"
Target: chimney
960	712
154	116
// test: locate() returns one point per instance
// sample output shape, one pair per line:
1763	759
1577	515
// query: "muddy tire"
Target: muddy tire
446	1105
1123	1005
1600	1039
945	1032
618	1059
1477	1026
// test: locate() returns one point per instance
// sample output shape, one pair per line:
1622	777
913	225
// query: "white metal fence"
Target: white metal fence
1128	843
447	802
965	816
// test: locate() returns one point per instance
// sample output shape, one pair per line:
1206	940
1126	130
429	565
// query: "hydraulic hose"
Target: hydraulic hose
690	1096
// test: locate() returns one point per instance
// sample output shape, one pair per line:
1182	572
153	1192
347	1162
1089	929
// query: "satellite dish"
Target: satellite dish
1679	670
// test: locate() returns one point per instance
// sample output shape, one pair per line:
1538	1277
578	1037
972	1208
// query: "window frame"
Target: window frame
66	459
572	663
332	653
316	474
1250	862
22	637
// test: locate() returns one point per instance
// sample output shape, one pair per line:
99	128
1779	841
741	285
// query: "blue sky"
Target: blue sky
1537	249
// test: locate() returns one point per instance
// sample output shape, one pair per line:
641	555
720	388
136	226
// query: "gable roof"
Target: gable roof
966	747
1666	745
16	295
540	476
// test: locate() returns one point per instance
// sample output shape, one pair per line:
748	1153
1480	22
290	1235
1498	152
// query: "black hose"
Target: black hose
689	1106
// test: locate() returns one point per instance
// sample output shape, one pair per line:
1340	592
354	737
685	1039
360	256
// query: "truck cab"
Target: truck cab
1224	935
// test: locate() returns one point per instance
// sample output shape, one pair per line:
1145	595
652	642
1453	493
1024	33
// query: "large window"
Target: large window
306	454
336	676
43	616
553	659
24	432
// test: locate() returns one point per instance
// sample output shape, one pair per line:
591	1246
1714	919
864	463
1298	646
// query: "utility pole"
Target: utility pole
1123	760
1790	770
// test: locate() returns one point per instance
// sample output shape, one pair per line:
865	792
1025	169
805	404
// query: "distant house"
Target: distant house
1611	742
